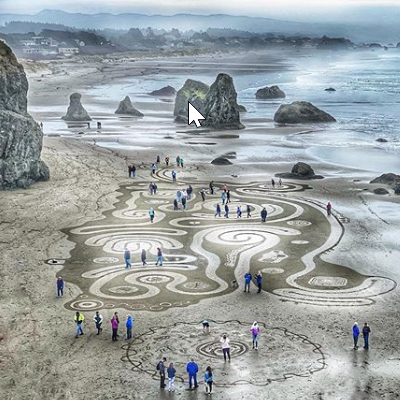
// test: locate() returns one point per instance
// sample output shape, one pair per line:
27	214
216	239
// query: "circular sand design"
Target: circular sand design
273	271
123	289
106	260
87	304
298	222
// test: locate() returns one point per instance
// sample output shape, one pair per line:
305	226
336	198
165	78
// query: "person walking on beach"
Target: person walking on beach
178	161
152	214
255	331
161	370
264	215
133	171
228	196
189	192
143	257
173	174
60	287
247	281
223	197
181	162
79	318
153	168
226	211
127	257
98	321
171	372
151	188
329	208
208	380
114	327
159	257
158	160
179	196
203	194
226	348
167	161
192	369
366	331
129	170
238	212
211	186
356	334
280	182
176	208
248	210
273	183
258	279
206	326
218	210
129	326
155	188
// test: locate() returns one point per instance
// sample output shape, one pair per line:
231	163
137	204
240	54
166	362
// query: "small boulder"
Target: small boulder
388	179
300	170
166	91
273	92
381	191
301	112
330	89
242	109
381	140
126	108
221	161
76	112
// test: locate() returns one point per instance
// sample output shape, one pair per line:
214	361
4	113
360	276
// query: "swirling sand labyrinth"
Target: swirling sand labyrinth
281	354
204	255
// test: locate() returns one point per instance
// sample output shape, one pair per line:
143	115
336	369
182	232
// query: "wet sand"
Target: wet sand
39	356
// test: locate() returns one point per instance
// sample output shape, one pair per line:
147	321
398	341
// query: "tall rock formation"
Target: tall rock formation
76	112
20	136
126	108
221	110
193	91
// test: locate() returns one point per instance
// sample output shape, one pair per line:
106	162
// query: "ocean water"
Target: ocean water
366	102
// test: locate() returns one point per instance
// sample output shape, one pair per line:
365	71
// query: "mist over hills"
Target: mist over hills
358	32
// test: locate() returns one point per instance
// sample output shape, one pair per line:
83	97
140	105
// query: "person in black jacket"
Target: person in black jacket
366	331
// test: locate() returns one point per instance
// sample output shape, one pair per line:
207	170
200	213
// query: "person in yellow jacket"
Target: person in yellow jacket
79	318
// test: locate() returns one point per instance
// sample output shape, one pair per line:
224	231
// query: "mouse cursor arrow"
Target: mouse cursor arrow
194	115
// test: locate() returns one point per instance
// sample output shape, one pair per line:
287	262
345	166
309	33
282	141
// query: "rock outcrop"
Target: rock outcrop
193	91
381	191
330	89
167	91
76	112
221	161
397	189
381	140
387	179
126	108
301	112
221	110
300	171
20	136
242	109
272	92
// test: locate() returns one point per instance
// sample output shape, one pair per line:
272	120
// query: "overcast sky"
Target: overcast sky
291	9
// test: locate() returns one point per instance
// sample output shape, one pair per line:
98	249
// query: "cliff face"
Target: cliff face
221	109
20	136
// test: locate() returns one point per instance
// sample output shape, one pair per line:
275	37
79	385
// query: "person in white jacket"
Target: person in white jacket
98	320
226	348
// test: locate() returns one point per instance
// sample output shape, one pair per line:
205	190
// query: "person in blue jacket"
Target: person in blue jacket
356	334
247	281
60	287
129	326
127	258
208	380
366	331
258	278
192	369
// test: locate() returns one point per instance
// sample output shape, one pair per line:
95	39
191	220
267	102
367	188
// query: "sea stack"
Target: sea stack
21	138
193	91
301	112
166	91
221	110
76	112
267	93
126	108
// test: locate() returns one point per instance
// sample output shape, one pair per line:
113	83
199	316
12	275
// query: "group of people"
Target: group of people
143	257
192	368
182	197
98	321
366	330
131	171
248	279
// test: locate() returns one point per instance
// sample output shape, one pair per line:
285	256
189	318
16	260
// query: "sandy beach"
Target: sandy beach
39	356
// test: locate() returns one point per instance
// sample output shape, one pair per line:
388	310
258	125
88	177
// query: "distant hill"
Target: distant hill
185	22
